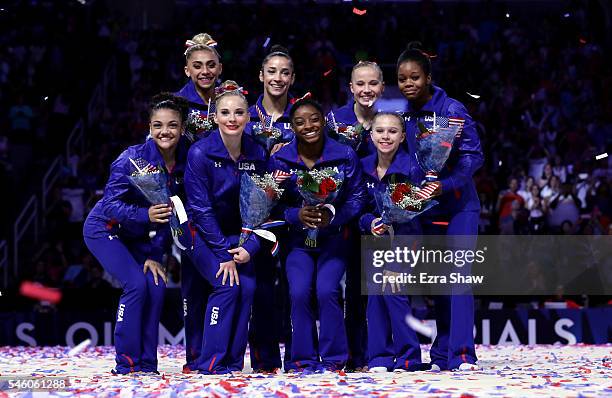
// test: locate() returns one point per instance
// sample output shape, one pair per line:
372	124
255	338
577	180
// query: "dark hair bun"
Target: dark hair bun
278	49
167	100
414	45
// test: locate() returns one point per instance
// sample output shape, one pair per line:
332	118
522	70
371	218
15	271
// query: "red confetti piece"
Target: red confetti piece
326	73
445	223
582	41
39	292
228	387
359	12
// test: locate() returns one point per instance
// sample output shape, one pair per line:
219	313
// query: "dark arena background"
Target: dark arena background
75	81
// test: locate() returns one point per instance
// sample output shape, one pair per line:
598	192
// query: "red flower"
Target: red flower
403	188
397	196
270	193
327	185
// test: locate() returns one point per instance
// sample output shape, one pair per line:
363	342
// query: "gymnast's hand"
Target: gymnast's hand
315	216
156	269
228	269
241	256
378	229
160	213
395	287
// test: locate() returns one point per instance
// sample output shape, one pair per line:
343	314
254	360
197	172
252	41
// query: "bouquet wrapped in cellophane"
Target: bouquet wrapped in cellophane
318	187
258	195
152	182
401	202
434	143
348	134
198	124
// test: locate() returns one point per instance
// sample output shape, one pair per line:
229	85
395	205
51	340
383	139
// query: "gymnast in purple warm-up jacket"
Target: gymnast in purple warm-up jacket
117	232
212	184
203	68
324	265
458	206
392	346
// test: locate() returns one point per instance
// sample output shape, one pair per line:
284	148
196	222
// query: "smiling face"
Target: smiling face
366	85
413	82
166	128
307	123
232	114
277	76
387	134
203	68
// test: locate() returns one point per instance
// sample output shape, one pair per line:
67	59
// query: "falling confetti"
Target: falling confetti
79	348
418	326
327	73
39	292
359	12
266	42
601	156
517	371
475	96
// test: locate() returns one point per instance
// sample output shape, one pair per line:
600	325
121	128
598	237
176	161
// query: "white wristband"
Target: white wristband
332	209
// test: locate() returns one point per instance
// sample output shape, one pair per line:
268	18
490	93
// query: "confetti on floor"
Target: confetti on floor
506	371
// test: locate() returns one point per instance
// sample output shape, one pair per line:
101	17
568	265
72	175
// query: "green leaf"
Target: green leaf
422	128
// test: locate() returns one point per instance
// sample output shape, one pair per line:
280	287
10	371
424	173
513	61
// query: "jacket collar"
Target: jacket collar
346	114
190	93
332	151
154	156
434	104
402	163
249	148
259	106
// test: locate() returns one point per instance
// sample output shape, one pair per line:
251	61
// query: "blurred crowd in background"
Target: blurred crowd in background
536	79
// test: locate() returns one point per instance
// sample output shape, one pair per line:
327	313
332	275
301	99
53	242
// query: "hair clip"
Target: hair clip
165	102
230	87
308	95
209	43
430	56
